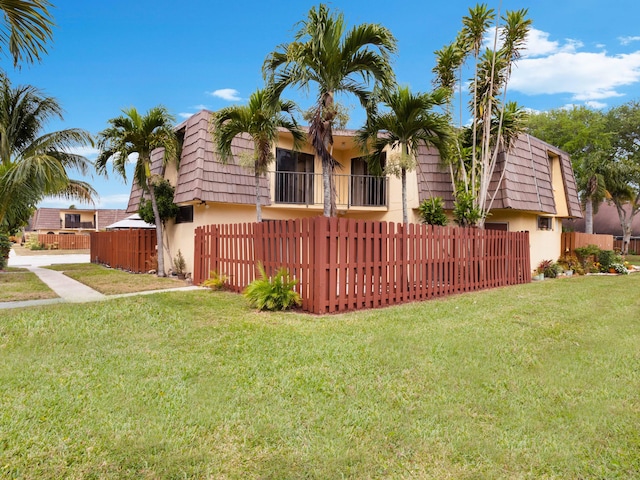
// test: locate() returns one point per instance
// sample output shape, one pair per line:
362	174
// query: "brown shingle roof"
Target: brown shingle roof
49	218
203	177
526	184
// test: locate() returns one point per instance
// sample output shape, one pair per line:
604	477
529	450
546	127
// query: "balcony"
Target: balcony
352	191
79	225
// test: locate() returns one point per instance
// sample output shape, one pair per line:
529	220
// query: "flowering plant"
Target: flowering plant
620	268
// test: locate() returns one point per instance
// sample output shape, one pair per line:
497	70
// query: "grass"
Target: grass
534	381
112	282
18	284
633	259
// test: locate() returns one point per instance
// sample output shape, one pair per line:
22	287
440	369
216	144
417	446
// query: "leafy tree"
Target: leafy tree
495	123
336	60
622	172
141	134
261	118
25	28
407	123
584	134
164	193
32	164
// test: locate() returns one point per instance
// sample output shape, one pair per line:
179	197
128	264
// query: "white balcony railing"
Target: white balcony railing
352	191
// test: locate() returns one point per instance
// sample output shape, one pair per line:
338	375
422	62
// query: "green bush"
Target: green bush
606	258
216	281
275	293
465	214
571	262
34	244
5	248
432	211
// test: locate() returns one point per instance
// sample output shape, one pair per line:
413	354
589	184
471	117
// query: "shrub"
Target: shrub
275	293
607	258
571	262
465	214
619	268
588	256
179	265
216	281
5	248
34	244
549	268
432	211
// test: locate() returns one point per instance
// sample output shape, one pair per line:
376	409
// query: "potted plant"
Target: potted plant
180	266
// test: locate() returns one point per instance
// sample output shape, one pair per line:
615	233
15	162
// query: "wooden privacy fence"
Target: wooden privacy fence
572	240
65	242
346	264
634	245
129	250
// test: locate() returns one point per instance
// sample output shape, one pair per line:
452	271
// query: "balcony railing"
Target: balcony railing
352	191
90	225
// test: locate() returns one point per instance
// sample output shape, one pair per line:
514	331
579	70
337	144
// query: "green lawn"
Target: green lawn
534	381
111	281
18	284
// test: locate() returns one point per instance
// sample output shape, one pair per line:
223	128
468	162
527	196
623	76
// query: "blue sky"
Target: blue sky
197	54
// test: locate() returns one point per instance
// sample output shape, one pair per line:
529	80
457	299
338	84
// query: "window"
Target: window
294	177
545	223
367	190
71	220
185	214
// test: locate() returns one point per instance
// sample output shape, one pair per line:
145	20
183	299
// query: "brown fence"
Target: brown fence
64	242
346	264
129	250
634	246
572	240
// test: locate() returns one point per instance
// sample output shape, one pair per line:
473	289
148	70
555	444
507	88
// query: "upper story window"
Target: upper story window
367	190
294	177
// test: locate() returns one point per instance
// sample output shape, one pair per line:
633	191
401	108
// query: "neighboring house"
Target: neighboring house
73	221
606	222
538	188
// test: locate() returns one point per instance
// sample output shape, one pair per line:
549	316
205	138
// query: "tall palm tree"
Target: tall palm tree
337	60
141	134
261	118
34	165
408	123
25	28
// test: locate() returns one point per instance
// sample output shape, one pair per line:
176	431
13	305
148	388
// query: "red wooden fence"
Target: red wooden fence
572	240
346	264
634	246
129	250
65	242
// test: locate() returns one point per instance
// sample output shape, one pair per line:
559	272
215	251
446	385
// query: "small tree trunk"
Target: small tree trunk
159	238
588	216
326	188
405	214
258	206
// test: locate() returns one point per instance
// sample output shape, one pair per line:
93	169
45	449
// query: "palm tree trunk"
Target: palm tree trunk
588	216
405	214
159	239
258	206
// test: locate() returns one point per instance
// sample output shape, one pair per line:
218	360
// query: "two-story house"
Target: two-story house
537	190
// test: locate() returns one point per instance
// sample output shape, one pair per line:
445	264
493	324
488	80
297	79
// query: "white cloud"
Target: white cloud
628	40
594	104
118	200
586	76
89	152
200	107
185	115
229	94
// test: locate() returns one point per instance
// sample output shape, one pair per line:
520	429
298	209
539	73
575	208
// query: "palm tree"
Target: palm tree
141	134
34	165
261	118
25	28
324	53
408	124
